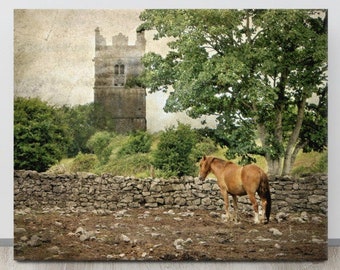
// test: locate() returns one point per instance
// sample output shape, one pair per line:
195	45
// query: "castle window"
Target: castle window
119	77
121	69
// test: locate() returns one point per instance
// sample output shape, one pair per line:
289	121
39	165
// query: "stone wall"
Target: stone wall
90	192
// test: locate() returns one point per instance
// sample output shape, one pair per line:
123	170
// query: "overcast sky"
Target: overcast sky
53	52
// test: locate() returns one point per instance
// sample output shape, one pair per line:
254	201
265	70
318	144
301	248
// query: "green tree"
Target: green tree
173	154
40	135
255	70
82	125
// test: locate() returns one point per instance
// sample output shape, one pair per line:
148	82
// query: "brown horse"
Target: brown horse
239	181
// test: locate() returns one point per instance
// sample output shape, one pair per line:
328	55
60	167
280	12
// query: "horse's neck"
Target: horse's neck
217	166
221	167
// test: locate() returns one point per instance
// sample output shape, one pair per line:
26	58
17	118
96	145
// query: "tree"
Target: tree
173	154
82	125
40	135
255	70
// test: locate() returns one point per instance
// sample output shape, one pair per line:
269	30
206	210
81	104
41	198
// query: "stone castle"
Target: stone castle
115	91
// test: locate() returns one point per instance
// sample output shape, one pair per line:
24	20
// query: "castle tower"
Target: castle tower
121	101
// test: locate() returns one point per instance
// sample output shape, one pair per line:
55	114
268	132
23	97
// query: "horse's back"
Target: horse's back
251	177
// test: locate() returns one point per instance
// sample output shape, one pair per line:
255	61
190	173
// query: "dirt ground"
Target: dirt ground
166	234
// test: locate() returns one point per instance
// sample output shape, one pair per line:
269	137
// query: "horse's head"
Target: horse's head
204	167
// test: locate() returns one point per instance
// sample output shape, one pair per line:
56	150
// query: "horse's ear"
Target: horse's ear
204	157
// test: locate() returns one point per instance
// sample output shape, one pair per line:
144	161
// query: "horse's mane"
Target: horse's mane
224	162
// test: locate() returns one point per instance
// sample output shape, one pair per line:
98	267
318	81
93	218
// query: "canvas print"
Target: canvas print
170	135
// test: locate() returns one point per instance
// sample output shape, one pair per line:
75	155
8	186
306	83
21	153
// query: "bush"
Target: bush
138	164
139	142
84	163
99	144
172	155
40	135
206	146
80	120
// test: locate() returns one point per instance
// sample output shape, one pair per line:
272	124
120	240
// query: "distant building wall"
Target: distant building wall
116	66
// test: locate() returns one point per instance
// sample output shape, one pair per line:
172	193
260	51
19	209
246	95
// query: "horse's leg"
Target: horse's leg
264	207
226	202
235	207
255	207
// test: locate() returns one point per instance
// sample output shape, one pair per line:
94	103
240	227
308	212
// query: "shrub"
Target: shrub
138	164
40	135
206	146
172	155
84	163
80	119
99	144
139	142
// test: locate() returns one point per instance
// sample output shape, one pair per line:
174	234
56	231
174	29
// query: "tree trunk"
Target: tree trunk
274	166
290	153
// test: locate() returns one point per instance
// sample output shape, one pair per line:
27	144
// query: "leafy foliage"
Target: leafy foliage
82	125
253	69
139	142
84	163
205	146
40	135
173	151
99	144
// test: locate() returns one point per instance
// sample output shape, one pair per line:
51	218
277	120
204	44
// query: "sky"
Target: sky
54	49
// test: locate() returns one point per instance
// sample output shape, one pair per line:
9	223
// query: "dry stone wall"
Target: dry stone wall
90	192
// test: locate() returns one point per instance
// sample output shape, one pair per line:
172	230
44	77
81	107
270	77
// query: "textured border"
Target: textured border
9	242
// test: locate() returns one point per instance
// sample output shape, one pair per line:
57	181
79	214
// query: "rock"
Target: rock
54	250
277	246
178	243
158	218
188	241
125	238
24	238
262	239
275	232
34	241
187	214
120	213
304	216
281	216
214	214
316	219
318	241
155	235
170	212
57	223
19	230
315	199
88	236
80	230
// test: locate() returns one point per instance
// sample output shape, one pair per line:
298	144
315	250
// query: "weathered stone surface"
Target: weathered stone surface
83	192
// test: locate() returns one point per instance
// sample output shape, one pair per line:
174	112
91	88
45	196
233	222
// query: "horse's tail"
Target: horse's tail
264	192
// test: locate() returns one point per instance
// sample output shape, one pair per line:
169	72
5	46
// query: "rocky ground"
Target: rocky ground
166	234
